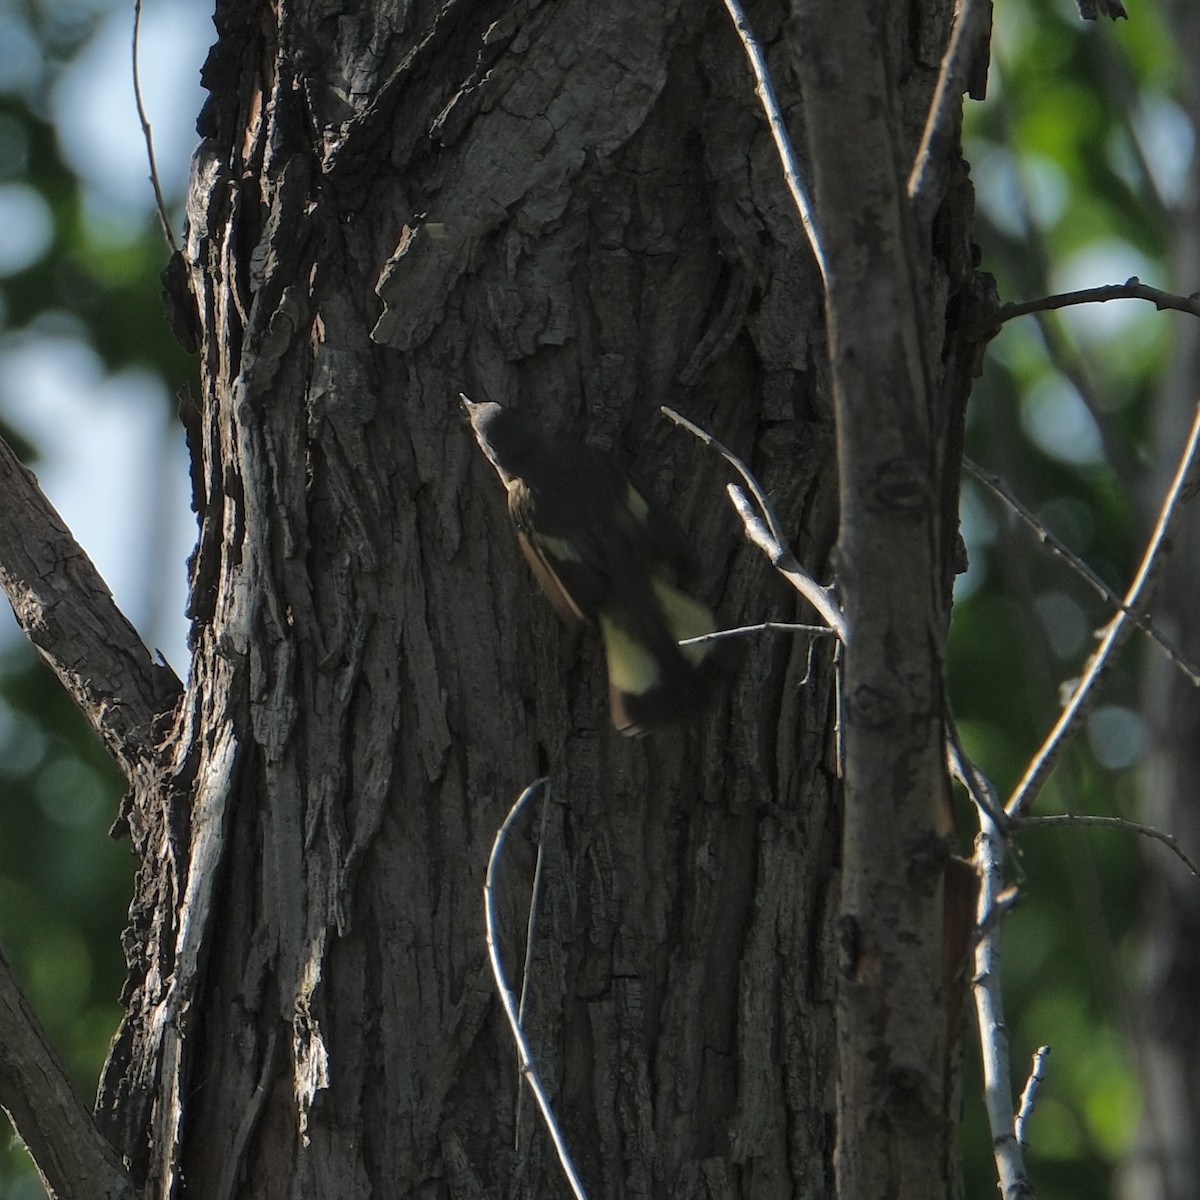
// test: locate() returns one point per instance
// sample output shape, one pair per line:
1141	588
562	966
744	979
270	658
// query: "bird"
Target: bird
609	556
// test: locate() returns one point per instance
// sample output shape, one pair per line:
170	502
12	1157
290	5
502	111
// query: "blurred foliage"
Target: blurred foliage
64	885
1077	156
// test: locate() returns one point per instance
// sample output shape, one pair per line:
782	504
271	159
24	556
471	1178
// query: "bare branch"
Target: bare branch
1114	633
989	1008
67	611
764	504
71	1155
1029	1095
995	901
783	144
535	896
784	561
1131	289
766	532
761	627
528	1071
1000	489
1148	831
163	219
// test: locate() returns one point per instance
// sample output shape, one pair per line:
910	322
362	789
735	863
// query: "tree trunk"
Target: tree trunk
575	209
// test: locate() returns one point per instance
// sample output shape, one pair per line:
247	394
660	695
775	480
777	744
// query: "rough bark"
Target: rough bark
899	440
573	207
67	612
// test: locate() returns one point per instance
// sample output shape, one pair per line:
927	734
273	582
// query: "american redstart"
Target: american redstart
607	554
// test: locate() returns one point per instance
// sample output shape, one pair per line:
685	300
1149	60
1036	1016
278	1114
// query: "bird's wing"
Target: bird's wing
565	565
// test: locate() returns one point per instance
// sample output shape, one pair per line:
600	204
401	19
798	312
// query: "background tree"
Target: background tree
1164	1163
1084	161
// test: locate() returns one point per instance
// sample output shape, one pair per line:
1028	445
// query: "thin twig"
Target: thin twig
757	490
766	531
527	1068
785	562
783	145
535	894
1168	839
1037	1073
1113	634
163	219
761	627
1000	489
1132	289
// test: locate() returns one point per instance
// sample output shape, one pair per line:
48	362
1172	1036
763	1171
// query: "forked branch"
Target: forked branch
1114	633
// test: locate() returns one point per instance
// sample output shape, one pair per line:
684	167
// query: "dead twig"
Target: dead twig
535	896
1056	546
1132	289
786	563
783	145
1098	822
1029	1094
766	531
761	627
527	1068
163	219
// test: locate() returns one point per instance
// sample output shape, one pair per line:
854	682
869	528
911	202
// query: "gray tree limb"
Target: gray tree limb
72	1157
68	613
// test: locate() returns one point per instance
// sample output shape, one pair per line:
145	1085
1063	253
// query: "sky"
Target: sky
112	457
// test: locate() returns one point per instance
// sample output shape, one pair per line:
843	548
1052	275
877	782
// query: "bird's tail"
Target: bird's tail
653	682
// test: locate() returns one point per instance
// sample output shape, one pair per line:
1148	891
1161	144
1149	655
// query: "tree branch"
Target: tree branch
783	145
1132	289
786	563
68	613
1114	633
526	1065
1055	545
989	1008
71	1155
163	218
895	428
1099	822
767	534
1037	1073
